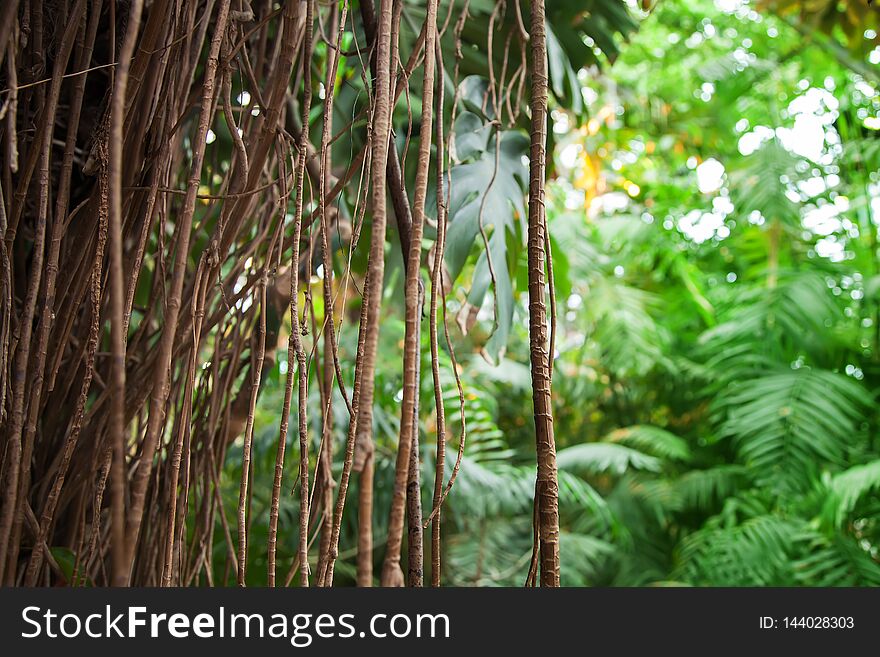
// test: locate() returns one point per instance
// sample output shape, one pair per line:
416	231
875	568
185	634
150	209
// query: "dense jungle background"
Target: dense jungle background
220	367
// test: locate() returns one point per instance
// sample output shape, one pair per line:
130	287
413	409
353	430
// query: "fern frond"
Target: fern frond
753	553
582	558
652	440
837	561
702	489
786	425
601	458
790	319
846	489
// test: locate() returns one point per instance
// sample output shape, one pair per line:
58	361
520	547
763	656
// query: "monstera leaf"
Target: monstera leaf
580	34
488	184
563	78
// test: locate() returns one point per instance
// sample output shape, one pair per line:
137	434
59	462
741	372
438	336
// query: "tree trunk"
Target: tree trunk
547	488
412	340
368	332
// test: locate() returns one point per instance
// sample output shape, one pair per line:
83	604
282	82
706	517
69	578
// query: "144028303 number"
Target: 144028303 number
818	622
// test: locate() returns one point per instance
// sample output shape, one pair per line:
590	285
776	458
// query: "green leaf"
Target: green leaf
756	552
471	136
787	425
847	488
836	561
702	489
598	458
563	79
652	440
489	191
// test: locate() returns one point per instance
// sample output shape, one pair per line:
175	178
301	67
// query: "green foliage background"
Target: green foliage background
718	351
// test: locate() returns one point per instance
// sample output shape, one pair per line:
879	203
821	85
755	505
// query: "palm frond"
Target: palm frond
703	489
582	558
788	424
605	458
652	440
846	489
630	339
763	184
753	553
576	496
789	319
837	561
